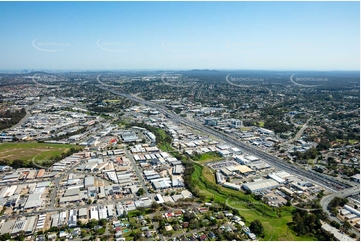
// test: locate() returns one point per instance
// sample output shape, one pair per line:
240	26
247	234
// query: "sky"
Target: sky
180	35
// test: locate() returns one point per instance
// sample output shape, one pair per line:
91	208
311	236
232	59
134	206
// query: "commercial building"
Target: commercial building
339	236
219	178
34	201
129	136
94	213
29	227
120	210
54	220
159	198
72	220
74	198
242	160
18	226
102	212
88	182
242	169
7	226
352	210
72	192
83	213
232	186
276	178
110	209
260	185
265	131
162	183
177	170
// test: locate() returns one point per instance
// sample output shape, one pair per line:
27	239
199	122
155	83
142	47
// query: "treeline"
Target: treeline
338	201
277	126
11	118
304	223
347	134
311	153
340	116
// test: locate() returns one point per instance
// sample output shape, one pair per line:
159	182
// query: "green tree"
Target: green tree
346	226
100	231
140	192
154	206
335	224
256	227
102	222
92	223
79	223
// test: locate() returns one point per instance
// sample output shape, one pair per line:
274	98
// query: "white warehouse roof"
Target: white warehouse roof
260	185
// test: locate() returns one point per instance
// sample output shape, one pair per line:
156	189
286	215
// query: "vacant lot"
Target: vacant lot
26	151
207	157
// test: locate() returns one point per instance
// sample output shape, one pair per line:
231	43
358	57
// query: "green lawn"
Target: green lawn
352	141
26	151
275	226
207	157
275	229
165	147
162	133
261	123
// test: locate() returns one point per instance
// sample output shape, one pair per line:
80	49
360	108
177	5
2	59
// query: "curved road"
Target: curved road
327	199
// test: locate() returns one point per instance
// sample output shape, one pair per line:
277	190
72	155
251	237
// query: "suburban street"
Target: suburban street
136	169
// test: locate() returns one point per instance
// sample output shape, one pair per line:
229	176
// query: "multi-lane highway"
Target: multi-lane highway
320	179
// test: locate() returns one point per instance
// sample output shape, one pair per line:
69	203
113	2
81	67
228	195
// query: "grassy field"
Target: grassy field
26	151
275	229
274	220
352	141
165	147
207	157
162	143
261	124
